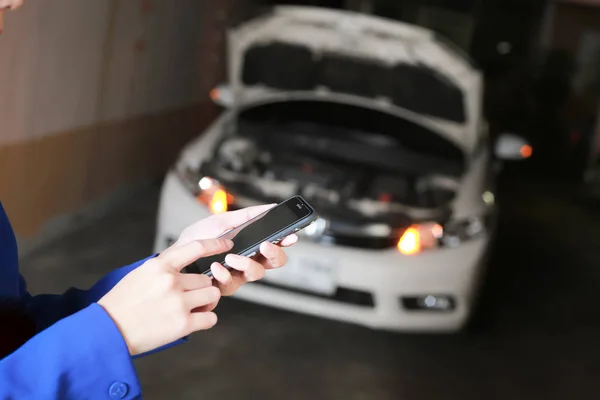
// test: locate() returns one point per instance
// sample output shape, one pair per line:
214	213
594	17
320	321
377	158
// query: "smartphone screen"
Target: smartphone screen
278	220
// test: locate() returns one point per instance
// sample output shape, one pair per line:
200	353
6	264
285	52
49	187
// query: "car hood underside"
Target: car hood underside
304	52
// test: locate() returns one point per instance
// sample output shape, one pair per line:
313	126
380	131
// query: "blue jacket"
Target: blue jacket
77	353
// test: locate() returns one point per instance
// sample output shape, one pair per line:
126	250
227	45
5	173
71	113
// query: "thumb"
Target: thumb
180	257
238	217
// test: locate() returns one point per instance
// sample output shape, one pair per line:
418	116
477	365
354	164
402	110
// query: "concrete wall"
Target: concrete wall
98	94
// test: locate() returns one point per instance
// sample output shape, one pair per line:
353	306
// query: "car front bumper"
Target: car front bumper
370	284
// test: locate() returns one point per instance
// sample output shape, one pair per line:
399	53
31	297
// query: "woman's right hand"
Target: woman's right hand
156	304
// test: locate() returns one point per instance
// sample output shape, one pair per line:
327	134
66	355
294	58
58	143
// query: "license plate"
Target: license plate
306	273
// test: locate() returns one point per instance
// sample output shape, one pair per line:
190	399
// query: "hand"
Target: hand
156	304
8	5
244	269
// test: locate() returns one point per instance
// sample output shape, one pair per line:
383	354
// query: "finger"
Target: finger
236	218
237	262
194	281
289	241
169	249
16	4
202	321
208	307
201	297
274	256
217	225
221	274
251	269
227	281
246	214
183	256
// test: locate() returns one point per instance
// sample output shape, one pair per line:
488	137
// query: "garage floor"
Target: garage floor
538	336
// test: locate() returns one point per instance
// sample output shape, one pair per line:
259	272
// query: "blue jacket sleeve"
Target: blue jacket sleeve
49	308
78	351
81	356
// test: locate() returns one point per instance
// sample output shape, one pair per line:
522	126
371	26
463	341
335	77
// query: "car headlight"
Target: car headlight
205	189
424	236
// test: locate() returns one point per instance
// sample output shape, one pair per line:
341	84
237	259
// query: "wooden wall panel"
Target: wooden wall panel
96	94
59	173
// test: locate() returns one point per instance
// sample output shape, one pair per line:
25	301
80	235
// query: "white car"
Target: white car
379	125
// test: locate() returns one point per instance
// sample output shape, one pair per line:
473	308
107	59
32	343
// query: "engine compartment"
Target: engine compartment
349	178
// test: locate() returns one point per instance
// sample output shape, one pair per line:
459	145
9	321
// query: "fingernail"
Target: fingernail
232	258
228	242
216	265
267	247
211	319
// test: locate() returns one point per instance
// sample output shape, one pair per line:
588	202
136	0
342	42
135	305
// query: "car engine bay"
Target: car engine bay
347	175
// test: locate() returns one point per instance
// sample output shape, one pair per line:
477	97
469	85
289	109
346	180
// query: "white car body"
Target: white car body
319	278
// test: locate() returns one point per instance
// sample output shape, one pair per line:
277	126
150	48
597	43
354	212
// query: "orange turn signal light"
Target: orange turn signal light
218	202
212	195
526	151
410	242
215	94
419	237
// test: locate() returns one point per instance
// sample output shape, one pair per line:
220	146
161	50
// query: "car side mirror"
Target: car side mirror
510	147
222	95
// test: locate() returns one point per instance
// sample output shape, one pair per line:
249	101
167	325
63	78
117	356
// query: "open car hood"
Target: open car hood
306	52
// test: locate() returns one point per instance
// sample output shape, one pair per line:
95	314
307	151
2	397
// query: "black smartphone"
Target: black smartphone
272	226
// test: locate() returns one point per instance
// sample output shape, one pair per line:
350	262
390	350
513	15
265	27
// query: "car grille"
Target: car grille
342	295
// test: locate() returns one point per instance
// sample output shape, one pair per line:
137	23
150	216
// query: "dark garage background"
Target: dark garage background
99	97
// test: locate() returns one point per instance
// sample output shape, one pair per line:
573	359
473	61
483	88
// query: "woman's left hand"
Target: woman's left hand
244	269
